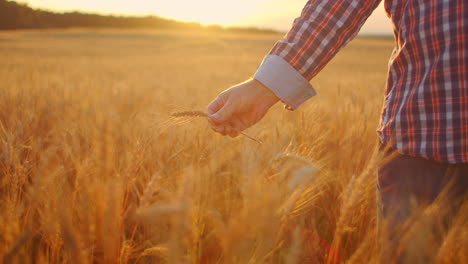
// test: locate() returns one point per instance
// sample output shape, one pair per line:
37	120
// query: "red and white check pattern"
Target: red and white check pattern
425	112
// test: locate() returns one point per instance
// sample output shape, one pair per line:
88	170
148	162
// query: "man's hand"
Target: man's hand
240	107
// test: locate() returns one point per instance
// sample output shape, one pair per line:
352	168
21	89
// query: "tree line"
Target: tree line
15	15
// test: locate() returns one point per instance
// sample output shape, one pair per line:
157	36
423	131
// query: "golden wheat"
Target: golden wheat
93	171
197	113
190	114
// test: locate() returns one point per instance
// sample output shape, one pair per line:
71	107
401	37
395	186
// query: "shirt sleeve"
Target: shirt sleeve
324	27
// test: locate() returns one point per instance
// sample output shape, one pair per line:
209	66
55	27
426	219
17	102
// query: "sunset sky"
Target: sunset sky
276	14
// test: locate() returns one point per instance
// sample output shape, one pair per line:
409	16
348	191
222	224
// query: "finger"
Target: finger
233	134
216	128
233	128
223	115
211	122
238	124
220	128
224	129
215	105
230	131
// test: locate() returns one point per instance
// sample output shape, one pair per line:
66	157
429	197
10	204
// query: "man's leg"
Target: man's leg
408	185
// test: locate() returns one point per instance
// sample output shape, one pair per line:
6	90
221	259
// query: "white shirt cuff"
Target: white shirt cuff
284	81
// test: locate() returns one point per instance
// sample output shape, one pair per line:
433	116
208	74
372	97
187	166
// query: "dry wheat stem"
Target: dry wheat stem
197	113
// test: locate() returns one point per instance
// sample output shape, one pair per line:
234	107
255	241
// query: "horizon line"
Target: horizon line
142	15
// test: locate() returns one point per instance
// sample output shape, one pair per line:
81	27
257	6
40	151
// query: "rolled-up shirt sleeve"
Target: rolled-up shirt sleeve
324	27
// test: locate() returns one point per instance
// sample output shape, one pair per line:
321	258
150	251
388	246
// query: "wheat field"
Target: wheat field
96	168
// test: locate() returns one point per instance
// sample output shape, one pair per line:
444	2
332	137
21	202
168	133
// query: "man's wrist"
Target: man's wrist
270	97
284	81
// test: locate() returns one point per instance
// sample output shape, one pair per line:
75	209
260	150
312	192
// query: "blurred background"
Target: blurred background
264	14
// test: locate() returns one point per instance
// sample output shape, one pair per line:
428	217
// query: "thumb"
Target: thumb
223	114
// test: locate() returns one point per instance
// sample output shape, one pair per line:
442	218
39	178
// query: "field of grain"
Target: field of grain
94	169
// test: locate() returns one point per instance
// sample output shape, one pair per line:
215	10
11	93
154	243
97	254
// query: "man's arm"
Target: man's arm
323	28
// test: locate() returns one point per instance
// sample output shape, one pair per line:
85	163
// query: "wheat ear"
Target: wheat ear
196	113
189	114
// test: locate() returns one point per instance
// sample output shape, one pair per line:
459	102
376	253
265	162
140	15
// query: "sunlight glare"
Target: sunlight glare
207	11
277	14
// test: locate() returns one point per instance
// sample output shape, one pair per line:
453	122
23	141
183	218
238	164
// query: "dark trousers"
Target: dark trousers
410	184
406	182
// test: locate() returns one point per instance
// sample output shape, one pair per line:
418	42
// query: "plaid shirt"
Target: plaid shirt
425	112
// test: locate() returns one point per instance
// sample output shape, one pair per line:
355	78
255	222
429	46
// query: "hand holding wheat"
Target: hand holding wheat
196	113
240	107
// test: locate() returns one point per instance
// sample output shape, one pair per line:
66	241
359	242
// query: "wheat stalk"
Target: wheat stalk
196	113
189	114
